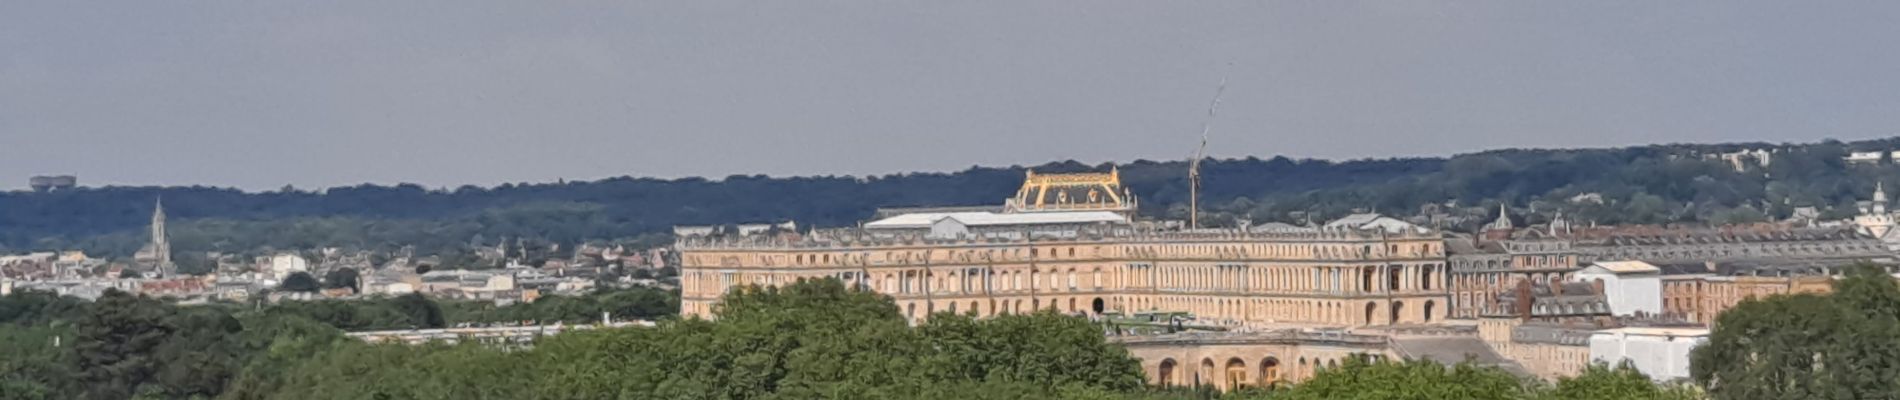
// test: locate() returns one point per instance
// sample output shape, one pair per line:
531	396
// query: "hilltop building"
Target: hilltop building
158	254
53	183
1876	220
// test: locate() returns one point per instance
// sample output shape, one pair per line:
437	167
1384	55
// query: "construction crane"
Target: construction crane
1194	165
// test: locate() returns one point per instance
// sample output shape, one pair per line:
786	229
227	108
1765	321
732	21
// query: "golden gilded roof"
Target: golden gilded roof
1071	192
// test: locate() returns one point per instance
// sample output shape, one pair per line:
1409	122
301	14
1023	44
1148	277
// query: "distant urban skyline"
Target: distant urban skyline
442	94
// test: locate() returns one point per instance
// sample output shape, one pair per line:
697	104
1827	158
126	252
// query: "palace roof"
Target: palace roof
1069	192
1371	221
924	220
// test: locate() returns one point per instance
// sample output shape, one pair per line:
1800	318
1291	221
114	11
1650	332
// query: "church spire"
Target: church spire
161	244
1880	198
1504	218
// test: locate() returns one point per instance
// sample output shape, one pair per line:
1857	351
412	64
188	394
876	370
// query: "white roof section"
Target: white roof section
1278	227
1369	221
1627	267
1354	220
1657	331
979	219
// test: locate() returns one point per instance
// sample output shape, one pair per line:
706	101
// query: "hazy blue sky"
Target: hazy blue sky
260	94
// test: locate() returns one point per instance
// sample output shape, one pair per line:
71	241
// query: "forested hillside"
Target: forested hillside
1647	184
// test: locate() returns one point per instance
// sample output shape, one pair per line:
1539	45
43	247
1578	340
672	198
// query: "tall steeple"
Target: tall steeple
161	244
1880	198
1504	218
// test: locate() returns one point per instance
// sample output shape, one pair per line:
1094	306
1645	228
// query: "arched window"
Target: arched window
1269	371
1236	374
1206	375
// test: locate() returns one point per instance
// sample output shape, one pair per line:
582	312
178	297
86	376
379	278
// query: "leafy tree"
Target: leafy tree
16	389
35	307
200	356
274	344
1844	345
299	282
810	339
1623	382
1416	379
194	263
116	342
32	367
342	278
1014	348
422	312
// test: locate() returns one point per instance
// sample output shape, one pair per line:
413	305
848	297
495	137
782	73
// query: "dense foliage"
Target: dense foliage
635	303
1807	346
812	339
123	346
1637	184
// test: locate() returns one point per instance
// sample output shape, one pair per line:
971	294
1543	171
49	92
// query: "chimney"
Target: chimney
1556	288
1710	265
1597	284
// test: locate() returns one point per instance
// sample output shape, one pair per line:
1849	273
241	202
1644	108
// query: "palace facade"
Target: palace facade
1295	299
1235	278
1067	243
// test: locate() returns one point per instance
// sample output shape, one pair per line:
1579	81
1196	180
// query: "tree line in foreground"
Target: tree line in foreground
812	339
821	339
124	346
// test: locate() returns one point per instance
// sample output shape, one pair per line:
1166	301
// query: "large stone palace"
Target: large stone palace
1065	244
1287	299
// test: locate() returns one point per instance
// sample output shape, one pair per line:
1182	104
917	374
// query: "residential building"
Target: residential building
1632	287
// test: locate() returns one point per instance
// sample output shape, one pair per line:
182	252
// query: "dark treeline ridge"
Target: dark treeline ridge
808	340
1648	184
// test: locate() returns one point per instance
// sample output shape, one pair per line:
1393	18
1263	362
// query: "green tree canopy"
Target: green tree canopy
1843	345
342	278
300	282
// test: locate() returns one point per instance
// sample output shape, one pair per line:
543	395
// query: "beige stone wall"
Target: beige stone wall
1547	361
1232	365
1550	361
1477	293
1702	298
1333	279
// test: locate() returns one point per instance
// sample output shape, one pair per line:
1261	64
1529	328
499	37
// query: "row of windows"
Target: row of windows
1018	253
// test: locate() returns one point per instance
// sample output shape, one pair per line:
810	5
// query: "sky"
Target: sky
259	95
